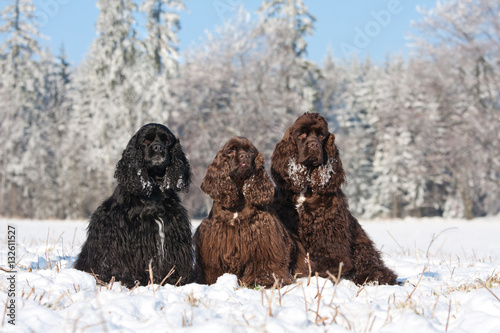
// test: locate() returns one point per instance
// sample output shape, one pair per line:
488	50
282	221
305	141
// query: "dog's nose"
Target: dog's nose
314	145
157	147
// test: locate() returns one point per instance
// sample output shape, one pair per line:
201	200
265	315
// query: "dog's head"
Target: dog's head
310	133
238	168
307	157
153	158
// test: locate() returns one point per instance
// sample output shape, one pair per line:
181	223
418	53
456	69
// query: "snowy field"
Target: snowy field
449	270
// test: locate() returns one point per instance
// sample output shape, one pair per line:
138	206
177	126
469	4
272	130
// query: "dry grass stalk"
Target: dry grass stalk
278	286
185	321
388	318
394	239
484	284
172	270
150	270
420	279
56	303
319	296
305	298
96	277
134	287
434	238
369	327
448	320
111	283
32	291
434	308
270	299
40	299
178	281
308	260
336	279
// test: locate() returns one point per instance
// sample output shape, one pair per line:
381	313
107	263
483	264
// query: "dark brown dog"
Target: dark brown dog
241	236
308	173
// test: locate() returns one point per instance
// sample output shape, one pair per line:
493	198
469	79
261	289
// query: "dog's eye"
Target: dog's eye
164	138
147	142
302	136
321	136
231	152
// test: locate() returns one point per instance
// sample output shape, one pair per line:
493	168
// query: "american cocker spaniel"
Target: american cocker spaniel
142	231
308	173
241	235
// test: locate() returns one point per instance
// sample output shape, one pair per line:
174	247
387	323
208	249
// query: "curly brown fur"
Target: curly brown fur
241	235
308	173
143	224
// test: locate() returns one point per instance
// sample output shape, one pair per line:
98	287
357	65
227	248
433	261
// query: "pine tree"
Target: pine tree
104	113
463	40
159	62
21	89
292	19
285	24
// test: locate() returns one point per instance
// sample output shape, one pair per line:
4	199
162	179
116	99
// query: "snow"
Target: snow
442	264
324	172
297	173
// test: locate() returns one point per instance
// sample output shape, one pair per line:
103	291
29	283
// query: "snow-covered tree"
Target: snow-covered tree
162	26
289	18
21	87
103	115
159	62
285	24
353	110
462	39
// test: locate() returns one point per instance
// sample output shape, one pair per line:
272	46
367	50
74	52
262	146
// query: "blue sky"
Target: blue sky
374	27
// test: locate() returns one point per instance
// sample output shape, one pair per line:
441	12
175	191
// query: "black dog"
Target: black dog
143	228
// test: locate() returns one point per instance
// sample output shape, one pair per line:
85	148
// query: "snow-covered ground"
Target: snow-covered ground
449	271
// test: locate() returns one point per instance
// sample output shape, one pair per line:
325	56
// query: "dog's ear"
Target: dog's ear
131	173
328	177
258	189
217	182
286	171
178	175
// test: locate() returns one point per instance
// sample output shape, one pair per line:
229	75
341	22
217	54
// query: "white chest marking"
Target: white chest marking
235	217
161	233
301	199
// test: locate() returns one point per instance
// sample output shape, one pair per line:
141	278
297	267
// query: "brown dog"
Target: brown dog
241	235
308	173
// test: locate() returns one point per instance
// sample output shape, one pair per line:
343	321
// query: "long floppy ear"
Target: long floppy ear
258	189
286	172
178	175
131	172
217	182
328	177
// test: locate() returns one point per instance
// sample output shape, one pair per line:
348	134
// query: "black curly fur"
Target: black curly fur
124	236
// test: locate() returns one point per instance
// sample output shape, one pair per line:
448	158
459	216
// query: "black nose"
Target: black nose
157	147
314	145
